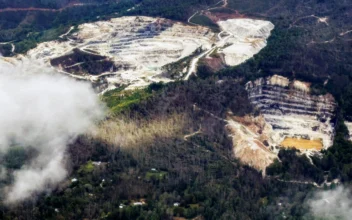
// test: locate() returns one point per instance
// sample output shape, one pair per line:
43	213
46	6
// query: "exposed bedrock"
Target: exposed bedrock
293	112
136	51
125	50
245	38
289	117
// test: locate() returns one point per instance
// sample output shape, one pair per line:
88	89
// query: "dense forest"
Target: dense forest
55	4
198	173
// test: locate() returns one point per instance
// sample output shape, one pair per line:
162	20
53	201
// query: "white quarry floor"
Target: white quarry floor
247	38
299	126
143	45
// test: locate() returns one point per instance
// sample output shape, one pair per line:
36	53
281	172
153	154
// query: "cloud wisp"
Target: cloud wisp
44	111
331	204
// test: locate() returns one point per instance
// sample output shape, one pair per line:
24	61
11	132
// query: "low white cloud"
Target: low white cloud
332	204
45	111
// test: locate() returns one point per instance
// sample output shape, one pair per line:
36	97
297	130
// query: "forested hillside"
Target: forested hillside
311	41
173	158
172	165
26	28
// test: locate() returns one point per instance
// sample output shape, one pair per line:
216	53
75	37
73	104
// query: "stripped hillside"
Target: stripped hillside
292	112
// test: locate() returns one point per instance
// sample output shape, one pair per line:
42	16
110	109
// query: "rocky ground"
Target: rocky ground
132	51
252	140
289	116
292	111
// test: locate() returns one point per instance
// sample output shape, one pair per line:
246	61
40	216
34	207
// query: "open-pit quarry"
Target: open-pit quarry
289	116
293	112
135	51
241	39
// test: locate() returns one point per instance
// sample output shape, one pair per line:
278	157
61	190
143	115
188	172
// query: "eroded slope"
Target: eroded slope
251	137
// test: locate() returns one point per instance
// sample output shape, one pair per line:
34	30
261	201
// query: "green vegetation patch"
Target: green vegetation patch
176	70
158	175
119	99
86	168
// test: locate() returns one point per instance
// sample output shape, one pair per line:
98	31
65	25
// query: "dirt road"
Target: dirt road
45	9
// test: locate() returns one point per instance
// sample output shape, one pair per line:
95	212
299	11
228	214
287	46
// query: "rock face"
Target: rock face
293	112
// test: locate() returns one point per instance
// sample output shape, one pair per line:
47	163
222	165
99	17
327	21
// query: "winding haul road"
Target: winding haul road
63	35
193	66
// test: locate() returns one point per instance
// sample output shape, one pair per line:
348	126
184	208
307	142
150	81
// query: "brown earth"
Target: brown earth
214	63
251	141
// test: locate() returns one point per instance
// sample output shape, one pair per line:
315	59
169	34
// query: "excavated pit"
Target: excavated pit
298	119
136	51
132	50
290	117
